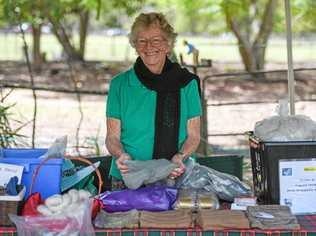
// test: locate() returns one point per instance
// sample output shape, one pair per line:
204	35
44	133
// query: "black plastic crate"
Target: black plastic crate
265	158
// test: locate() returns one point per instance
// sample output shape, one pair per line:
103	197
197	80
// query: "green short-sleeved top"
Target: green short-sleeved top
135	105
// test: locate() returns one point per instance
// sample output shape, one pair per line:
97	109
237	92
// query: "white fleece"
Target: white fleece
65	204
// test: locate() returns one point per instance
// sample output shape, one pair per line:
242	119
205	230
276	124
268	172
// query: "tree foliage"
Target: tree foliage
250	21
8	135
304	14
117	13
64	16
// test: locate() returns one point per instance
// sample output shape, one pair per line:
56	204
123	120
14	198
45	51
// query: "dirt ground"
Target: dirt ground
94	76
58	113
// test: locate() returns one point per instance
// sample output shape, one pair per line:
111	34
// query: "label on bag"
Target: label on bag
7	171
298	185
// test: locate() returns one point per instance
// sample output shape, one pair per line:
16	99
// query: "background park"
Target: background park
58	57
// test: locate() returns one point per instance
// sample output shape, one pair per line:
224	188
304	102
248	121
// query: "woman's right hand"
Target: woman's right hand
120	162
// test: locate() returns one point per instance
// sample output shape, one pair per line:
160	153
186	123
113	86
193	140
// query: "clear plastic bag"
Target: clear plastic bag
284	127
196	199
78	224
57	149
186	199
225	186
207	200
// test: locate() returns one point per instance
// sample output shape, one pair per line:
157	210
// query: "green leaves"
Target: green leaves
304	15
8	135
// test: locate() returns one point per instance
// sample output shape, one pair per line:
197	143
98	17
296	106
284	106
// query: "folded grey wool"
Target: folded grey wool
128	219
146	172
271	217
181	218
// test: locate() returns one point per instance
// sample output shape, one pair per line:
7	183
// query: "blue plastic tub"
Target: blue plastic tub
48	179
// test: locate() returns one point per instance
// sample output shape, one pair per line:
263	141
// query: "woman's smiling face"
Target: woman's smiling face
152	47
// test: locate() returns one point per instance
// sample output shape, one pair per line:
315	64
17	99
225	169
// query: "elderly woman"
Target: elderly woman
153	109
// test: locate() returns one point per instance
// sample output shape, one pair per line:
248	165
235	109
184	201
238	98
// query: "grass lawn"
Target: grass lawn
103	48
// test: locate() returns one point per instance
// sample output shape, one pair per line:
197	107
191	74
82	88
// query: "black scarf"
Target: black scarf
167	117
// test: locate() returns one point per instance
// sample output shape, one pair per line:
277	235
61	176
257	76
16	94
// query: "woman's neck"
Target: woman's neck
156	69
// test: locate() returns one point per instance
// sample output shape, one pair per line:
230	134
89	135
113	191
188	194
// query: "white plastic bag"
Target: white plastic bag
225	186
78	224
57	149
284	127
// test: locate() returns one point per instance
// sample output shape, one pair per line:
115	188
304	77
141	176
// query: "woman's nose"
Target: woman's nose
148	44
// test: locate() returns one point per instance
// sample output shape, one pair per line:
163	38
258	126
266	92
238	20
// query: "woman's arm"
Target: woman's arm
193	140
113	137
189	146
114	145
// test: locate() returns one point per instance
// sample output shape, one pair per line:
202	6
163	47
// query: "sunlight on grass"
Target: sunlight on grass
103	48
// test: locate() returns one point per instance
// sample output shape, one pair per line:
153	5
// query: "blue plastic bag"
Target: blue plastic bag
151	198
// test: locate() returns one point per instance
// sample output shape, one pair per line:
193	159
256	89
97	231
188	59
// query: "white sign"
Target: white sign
7	171
298	185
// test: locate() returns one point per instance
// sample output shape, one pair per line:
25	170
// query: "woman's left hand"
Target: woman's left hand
178	160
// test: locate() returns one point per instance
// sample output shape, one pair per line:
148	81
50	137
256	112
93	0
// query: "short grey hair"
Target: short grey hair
145	20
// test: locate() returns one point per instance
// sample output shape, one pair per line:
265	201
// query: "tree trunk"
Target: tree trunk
64	40
247	55
261	40
84	23
253	53
36	36
245	47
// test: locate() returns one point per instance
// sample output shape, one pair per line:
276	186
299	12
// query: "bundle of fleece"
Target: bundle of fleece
65	204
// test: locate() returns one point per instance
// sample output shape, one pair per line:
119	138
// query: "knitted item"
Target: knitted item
181	218
222	219
272	217
129	219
